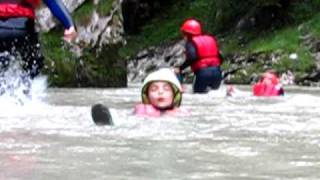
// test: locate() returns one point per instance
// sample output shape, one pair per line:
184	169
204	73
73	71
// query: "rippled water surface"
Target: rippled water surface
223	138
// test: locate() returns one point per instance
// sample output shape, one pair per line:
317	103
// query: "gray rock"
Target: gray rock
45	19
153	58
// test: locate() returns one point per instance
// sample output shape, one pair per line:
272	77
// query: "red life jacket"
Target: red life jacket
268	85
18	8
262	89
208	52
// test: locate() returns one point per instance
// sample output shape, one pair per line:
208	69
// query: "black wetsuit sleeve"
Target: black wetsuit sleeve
191	55
59	10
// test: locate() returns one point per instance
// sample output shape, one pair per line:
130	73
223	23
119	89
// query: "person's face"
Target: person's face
267	81
160	94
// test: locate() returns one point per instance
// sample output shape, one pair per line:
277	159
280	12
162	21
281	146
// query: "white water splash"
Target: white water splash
16	87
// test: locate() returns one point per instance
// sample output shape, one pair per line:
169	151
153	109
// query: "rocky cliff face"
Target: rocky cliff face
99	31
94	51
153	58
242	68
102	30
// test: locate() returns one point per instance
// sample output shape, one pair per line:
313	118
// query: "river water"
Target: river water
223	138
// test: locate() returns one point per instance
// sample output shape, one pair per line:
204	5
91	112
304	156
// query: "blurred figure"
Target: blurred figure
267	86
17	31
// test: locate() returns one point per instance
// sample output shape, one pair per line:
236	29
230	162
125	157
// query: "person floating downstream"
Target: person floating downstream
161	94
203	55
267	86
17	31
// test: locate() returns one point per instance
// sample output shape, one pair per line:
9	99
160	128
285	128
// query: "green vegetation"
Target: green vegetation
284	39
60	62
104	7
83	14
67	70
221	14
219	17
314	25
164	28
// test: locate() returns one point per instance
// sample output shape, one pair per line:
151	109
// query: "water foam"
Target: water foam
17	89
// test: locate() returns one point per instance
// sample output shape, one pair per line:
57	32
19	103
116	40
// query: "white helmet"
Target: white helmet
167	75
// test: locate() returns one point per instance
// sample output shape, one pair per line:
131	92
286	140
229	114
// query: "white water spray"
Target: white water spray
16	87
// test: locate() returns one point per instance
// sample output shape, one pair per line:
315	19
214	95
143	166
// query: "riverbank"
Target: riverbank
292	46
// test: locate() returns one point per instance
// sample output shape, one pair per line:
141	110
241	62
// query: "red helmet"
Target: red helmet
271	77
191	26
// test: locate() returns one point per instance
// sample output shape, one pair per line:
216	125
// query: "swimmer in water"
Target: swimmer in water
161	94
268	85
